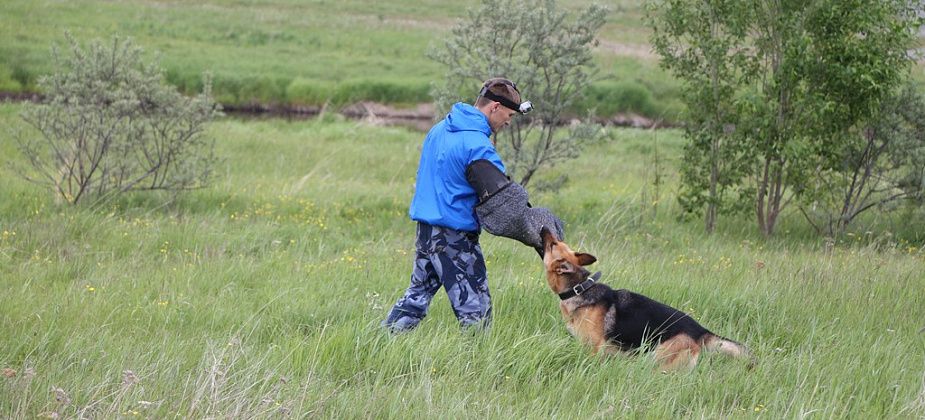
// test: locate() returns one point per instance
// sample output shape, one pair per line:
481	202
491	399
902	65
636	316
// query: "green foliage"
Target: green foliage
855	57
547	52
701	43
324	42
883	161
265	44
773	88
109	124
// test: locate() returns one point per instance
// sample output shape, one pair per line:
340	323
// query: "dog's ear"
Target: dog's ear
565	267
585	259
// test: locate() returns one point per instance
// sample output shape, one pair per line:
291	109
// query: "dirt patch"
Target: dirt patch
422	116
19	97
271	110
635	121
419	117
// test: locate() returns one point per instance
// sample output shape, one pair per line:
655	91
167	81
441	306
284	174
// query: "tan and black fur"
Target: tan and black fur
613	321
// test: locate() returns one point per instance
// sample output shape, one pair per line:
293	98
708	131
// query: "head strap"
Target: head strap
509	104
486	93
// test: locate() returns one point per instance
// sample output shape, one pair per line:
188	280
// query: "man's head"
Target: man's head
499	100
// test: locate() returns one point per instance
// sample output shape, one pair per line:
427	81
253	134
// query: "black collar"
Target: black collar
580	287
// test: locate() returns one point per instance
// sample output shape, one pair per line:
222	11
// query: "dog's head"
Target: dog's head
564	267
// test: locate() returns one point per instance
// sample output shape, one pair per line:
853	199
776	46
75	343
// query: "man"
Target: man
458	171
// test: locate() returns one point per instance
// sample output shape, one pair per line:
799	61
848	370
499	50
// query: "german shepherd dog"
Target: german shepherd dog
613	321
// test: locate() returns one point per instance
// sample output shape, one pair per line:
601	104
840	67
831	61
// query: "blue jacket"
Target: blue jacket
442	196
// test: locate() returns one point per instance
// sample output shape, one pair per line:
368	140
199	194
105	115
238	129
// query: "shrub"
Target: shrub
110	124
543	49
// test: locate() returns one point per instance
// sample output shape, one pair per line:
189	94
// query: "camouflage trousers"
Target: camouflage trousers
452	259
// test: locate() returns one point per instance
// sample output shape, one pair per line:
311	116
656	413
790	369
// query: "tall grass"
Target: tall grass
261	296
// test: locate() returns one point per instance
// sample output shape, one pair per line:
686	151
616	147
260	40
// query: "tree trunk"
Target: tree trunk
774	200
762	194
769	202
711	204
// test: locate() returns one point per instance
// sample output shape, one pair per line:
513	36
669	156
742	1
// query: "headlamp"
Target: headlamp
526	107
522	108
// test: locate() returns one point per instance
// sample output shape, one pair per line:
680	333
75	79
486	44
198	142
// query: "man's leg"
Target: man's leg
462	271
412	307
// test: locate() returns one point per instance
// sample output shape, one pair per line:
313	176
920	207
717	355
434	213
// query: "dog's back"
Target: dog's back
642	321
636	322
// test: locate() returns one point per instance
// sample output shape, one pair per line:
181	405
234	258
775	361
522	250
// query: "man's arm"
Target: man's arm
486	179
504	210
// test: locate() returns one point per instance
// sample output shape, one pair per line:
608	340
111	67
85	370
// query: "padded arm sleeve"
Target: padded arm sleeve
505	212
486	179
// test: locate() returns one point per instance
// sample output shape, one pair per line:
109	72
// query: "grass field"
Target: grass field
296	52
261	296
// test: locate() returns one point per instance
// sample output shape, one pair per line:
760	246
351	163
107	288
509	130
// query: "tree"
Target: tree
109	124
883	162
548	55
699	42
810	72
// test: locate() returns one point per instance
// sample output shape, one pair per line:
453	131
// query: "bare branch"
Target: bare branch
110	122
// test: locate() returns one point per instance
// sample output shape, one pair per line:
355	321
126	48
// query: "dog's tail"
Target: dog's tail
728	347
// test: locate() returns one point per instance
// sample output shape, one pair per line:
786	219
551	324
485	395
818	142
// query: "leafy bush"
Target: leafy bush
547	52
882	162
775	91
109	124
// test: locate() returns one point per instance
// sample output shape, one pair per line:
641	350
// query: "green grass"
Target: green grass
287	51
291	52
262	294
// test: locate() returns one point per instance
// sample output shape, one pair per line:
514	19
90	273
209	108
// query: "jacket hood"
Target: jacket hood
465	117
